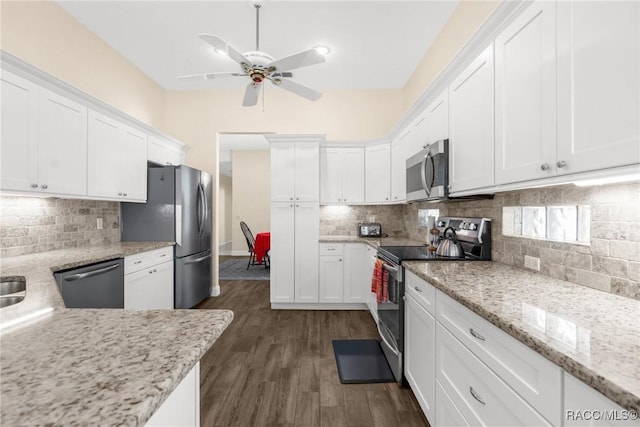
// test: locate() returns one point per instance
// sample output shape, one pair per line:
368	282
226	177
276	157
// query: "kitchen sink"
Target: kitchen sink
13	290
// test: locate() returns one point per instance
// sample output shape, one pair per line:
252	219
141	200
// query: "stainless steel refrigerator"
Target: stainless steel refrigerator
178	209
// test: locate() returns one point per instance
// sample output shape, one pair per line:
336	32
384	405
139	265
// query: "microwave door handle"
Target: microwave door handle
433	173
423	174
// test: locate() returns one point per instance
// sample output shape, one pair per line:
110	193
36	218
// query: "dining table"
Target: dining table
262	246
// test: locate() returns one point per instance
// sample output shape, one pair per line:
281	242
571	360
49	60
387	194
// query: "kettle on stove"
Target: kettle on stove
449	246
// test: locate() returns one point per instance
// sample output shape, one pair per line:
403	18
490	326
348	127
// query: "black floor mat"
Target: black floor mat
361	362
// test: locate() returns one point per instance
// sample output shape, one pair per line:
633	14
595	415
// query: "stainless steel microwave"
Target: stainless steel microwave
428	173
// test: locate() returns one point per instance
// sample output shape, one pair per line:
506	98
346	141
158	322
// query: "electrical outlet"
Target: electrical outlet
99	223
532	262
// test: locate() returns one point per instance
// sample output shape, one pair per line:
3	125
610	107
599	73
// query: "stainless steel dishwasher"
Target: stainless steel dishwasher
98	285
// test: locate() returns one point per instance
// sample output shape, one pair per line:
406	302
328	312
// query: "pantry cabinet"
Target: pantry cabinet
294	248
44	140
117	160
378	173
525	92
598	85
342	175
295	171
471	126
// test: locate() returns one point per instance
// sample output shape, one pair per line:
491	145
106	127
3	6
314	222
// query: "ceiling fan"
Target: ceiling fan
260	66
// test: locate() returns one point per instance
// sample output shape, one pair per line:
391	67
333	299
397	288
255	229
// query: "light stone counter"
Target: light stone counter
93	366
603	347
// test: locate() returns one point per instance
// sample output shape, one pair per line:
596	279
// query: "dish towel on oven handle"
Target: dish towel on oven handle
379	282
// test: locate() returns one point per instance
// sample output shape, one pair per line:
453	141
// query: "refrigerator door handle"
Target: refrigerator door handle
203	207
197	260
199	209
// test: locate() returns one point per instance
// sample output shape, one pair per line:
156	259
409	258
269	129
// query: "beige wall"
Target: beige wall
251	194
463	23
42	34
225	208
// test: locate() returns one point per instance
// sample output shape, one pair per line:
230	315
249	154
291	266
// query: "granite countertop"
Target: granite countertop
593	335
374	242
93	366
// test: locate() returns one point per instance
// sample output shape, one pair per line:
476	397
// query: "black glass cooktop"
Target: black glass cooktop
397	254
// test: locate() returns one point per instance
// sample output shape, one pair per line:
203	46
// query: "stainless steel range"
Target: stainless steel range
473	234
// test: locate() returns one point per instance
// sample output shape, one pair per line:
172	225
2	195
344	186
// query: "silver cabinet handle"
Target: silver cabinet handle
155	270
163	255
297	198
150	271
417	289
331	249
340	260
344	200
119	194
562	164
476	396
290	206
34	185
290	198
44	186
544	166
124	194
477	335
90	273
138	262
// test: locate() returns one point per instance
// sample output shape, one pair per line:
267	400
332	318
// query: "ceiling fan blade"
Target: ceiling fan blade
225	48
298	89
298	60
251	95
209	76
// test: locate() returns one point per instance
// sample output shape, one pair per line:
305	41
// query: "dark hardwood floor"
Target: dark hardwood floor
276	367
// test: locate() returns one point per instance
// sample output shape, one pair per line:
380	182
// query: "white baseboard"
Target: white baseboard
318	306
240	253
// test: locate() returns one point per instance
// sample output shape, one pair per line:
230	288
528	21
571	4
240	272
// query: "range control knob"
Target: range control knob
473	226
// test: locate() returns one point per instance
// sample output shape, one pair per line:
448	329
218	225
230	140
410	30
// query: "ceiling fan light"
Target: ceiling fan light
323	50
220	52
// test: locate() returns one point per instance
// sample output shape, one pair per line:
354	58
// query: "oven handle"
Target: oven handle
392	348
393	270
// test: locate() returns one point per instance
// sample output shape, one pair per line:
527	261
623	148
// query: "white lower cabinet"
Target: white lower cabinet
479	394
182	407
148	280
585	407
419	354
446	412
370	296
344	275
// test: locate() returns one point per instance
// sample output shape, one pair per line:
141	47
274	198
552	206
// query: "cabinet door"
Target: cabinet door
471	126
19	141
307	172
353	175
282	172
419	356
598	85
357	279
104	157
447	415
399	168
149	289
62	145
282	252
162	153
331	175
378	173
331	279
182	406
436	126
526	96
133	164
307	233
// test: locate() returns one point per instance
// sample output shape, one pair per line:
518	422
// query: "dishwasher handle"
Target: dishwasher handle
79	276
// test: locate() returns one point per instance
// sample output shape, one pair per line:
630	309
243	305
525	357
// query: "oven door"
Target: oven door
391	320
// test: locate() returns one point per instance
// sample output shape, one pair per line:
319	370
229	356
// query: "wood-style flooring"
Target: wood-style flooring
276	367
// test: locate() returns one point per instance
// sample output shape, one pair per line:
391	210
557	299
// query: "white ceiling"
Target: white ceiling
375	44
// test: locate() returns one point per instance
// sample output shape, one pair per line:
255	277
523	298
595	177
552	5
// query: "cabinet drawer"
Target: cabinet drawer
331	249
143	260
532	376
480	395
423	292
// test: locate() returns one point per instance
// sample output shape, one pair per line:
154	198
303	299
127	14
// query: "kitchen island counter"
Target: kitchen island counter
593	335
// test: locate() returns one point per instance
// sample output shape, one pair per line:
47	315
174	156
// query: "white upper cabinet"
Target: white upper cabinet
117	160
598	85
378	173
399	153
436	125
162	152
342	175
44	140
295	172
526	96
19	149
471	132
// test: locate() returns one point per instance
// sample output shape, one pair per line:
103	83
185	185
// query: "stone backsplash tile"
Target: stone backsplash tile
343	220
610	263
31	225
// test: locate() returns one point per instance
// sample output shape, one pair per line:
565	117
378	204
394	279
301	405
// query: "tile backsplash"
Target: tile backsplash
343	220
610	263
30	225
